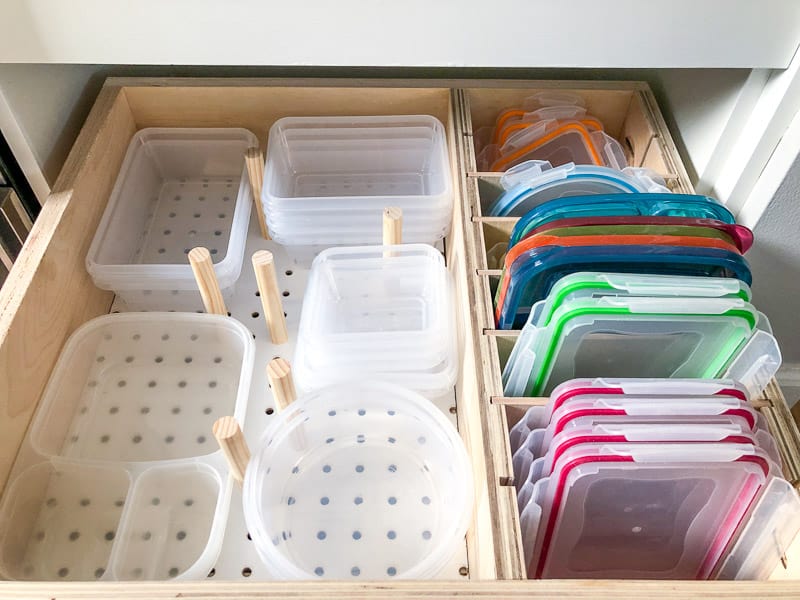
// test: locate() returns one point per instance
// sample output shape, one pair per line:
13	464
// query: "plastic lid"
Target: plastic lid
668	509
693	337
536	182
768	532
535	272
595	285
608	206
739	234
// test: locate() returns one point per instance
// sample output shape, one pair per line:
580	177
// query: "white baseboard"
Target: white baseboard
22	151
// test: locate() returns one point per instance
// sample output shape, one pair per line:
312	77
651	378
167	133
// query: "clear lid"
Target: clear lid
552	98
514	119
650	433
558	142
534	182
595	285
540	182
634	336
642	342
602	207
768	533
589	420
756	363
668	510
649	386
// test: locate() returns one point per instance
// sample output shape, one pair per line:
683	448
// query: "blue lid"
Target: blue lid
621	205
535	272
521	198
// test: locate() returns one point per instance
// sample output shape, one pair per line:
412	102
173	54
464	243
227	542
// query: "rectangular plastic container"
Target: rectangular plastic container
178	188
328	179
124	479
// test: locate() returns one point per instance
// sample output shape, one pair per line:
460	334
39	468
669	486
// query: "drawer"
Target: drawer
49	294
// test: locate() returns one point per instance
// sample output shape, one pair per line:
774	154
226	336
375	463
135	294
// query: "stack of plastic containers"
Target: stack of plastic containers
550	126
177	188
121	478
650	479
361	480
380	312
328	179
637	284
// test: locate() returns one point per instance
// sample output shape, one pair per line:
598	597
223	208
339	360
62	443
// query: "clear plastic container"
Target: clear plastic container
126	480
144	386
363	480
381	312
177	188
328	179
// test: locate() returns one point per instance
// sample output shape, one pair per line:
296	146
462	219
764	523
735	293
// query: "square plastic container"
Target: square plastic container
382	312
328	179
126	480
177	188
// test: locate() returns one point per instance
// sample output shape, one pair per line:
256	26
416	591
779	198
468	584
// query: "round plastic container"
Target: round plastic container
361	480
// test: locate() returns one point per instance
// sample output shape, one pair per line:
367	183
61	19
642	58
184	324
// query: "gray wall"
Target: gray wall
775	261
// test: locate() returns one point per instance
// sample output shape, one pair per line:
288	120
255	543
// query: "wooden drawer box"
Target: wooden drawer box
49	294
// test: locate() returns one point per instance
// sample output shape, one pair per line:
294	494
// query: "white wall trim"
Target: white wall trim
746	100
741	182
770	179
22	150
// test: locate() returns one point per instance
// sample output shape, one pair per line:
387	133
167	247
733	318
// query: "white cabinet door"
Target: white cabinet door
467	33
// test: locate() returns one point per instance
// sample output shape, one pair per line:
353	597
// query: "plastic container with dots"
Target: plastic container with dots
178	188
122	478
363	480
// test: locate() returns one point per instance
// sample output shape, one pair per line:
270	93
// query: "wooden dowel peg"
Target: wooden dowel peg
264	266
279	374
231	439
254	159
392	226
206	278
